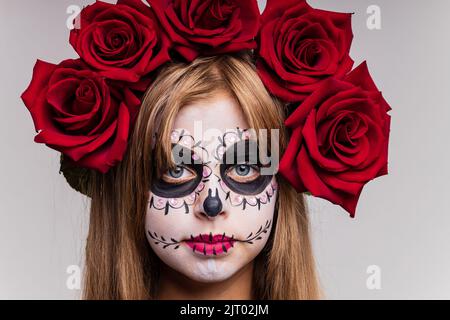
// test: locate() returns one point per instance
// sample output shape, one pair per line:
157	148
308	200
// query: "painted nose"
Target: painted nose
212	204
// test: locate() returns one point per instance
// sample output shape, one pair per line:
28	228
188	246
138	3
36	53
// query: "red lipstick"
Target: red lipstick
211	245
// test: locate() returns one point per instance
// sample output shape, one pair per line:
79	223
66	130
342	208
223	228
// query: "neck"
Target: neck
175	286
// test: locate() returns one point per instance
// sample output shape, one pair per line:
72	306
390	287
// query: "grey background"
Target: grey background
402	222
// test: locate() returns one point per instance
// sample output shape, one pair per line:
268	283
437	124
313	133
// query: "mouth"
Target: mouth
211	245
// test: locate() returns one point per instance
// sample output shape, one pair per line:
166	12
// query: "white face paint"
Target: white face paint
209	220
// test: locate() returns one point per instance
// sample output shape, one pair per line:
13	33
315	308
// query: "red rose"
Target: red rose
77	112
339	139
300	46
210	27
123	41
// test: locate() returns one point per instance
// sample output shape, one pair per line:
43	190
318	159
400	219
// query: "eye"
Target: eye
177	172
178	175
243	173
243	170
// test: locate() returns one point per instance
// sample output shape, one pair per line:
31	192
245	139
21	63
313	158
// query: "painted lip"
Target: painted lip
211	245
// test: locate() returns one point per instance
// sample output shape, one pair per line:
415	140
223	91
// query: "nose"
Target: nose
212	205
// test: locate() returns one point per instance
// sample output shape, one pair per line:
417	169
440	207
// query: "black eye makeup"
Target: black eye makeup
240	169
180	180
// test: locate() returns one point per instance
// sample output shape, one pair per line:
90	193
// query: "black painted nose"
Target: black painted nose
212	204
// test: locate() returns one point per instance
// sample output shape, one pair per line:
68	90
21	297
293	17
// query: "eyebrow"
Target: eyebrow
185	154
242	151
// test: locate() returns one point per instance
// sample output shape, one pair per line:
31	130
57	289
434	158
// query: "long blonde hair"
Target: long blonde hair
119	261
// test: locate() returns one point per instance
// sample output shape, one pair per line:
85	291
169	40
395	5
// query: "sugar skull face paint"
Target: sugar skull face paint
210	217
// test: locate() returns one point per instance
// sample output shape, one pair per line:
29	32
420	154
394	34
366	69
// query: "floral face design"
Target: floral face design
212	214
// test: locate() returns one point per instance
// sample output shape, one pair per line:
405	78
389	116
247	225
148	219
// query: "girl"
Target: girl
139	244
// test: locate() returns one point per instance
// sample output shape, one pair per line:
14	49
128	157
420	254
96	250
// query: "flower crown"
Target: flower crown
85	108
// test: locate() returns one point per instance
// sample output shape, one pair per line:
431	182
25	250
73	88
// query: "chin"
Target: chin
208	270
212	270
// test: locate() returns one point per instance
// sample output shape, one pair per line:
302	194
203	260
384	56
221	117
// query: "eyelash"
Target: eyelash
167	178
244	179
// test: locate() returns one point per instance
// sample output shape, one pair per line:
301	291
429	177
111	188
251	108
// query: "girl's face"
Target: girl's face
212	214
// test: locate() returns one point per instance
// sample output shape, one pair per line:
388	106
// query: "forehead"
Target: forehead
219	114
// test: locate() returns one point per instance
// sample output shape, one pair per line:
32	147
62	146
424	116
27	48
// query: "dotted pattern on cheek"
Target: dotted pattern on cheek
167	204
238	200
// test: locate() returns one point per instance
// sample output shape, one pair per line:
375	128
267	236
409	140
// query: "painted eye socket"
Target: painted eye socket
178	175
243	173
